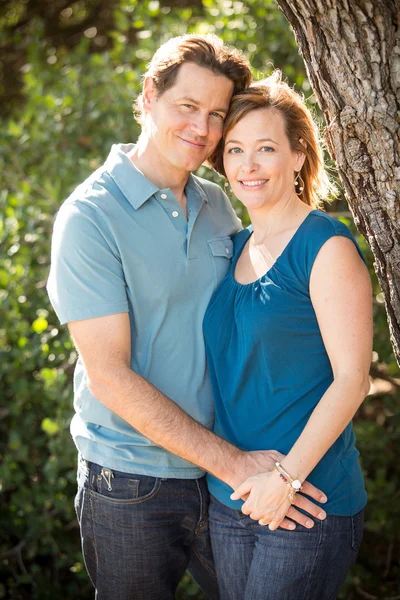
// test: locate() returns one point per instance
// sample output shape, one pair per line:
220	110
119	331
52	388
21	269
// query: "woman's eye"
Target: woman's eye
234	150
267	149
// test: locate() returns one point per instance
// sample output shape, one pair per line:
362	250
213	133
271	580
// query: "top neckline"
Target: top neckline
278	258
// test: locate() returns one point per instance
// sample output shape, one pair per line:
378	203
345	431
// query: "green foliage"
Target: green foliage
76	104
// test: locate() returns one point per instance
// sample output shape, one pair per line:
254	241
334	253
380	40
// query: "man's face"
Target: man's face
185	123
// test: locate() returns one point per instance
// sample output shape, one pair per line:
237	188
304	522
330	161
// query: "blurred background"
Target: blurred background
69	72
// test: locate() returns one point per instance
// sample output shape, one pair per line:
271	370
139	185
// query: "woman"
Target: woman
288	337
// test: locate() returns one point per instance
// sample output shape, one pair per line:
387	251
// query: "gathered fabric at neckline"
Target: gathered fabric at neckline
278	259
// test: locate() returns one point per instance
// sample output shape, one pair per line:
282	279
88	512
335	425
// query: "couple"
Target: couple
205	347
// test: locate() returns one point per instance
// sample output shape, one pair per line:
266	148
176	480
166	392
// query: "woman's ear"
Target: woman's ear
301	156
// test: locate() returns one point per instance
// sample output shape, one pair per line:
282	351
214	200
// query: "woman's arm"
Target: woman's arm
104	345
340	290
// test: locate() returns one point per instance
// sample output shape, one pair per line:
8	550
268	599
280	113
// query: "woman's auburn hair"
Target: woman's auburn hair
300	128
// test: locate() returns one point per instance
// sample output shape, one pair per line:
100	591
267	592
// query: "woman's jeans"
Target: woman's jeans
254	563
139	534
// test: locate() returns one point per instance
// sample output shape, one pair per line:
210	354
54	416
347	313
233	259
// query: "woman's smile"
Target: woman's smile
253	184
259	162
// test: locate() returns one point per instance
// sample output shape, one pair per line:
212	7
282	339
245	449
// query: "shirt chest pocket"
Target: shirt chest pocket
221	251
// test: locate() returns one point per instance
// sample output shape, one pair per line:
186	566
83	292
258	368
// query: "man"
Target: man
138	250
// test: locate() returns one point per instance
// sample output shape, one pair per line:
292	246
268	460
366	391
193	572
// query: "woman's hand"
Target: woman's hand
268	498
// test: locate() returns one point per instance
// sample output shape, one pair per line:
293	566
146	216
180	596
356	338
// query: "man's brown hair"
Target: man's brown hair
207	51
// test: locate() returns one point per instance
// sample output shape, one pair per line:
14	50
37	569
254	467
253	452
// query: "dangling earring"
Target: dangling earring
226	189
298	184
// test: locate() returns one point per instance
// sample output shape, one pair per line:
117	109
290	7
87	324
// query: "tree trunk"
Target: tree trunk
351	49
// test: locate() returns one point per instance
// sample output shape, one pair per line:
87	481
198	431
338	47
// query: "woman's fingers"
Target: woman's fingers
242	490
246	509
278	519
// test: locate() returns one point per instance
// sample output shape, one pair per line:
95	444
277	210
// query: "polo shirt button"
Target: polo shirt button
164	196
175	213
227	250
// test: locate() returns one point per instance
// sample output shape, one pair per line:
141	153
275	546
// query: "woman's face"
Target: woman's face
258	160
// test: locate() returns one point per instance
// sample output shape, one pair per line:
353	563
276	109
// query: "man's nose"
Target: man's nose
200	125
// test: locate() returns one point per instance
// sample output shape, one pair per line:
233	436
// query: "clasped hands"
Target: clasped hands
266	497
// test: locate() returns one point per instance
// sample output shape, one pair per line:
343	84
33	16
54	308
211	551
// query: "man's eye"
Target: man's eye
188	105
215	114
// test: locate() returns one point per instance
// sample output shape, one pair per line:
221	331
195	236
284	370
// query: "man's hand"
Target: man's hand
252	463
104	345
261	461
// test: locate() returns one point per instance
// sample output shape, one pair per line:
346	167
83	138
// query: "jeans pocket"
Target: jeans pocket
117	487
357	530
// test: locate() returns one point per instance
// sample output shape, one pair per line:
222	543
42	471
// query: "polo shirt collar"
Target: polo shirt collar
193	185
133	184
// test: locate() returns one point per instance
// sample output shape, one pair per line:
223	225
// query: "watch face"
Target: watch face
296	484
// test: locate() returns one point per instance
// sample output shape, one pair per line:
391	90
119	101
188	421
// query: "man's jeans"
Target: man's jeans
254	563
139	534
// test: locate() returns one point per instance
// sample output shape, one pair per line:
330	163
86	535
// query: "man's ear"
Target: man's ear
149	93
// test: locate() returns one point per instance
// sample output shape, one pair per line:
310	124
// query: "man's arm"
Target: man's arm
104	345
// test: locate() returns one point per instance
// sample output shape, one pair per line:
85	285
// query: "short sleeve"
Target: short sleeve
342	229
322	228
86	275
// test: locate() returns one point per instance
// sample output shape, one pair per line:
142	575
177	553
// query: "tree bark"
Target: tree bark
351	49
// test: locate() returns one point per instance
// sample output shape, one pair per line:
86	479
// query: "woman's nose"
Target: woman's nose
249	164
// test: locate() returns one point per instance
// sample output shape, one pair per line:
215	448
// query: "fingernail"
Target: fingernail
323	499
292	526
322	515
310	523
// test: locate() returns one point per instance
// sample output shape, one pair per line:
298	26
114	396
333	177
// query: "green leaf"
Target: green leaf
39	325
49	426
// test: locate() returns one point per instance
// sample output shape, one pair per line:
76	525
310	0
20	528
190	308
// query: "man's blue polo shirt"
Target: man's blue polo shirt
120	244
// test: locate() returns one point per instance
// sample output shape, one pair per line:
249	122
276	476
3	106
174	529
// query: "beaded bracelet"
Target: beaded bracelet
294	484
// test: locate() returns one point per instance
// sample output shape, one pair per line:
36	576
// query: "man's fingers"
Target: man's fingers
313	492
287	524
301	519
311	508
